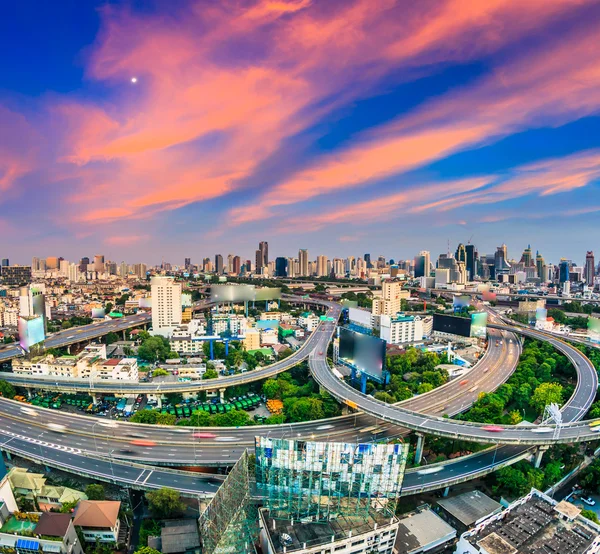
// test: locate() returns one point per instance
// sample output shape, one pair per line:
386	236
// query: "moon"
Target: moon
134	80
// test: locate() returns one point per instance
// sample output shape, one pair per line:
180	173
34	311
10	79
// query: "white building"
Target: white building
166	305
308	321
98	520
401	329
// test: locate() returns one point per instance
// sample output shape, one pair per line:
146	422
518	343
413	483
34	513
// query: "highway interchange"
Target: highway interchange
90	447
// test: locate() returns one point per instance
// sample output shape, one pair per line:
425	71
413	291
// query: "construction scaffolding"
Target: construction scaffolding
229	524
320	481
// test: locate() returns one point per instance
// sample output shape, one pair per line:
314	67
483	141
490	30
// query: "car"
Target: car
56	427
493	428
204	435
588	500
320	353
126	451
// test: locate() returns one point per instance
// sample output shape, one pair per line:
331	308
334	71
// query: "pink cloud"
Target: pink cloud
125	240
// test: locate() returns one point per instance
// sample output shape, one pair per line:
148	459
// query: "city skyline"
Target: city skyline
148	129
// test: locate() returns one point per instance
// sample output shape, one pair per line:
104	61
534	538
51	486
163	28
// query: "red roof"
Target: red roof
111	362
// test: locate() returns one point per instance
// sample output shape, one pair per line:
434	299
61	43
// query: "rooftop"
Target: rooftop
309	535
97	513
53	525
420	529
536	526
179	536
470	506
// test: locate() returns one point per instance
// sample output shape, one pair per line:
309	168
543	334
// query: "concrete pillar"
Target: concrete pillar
69	349
538	456
266	305
222	394
94	397
446	492
419	450
124	335
8	456
29	393
159	405
363	382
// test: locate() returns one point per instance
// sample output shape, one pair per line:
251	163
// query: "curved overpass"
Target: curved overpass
573	410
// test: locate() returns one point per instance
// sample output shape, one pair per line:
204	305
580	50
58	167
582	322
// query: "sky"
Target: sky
151	131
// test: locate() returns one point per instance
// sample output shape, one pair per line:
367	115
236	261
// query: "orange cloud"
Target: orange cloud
125	240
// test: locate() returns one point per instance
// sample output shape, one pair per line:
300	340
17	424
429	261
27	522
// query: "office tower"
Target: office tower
264	248
219	264
540	265
338	268
166	305
236	265
35	264
5	262
229	263
590	265
52	263
64	268
206	265
123	270
187	263
501	264
73	273
139	270
99	263
457	270
281	267
259	263
527	257
32	303
111	268
292	265
564	270
461	253
367	259
83	264
381	262
471	261
303	261
322	266
422	264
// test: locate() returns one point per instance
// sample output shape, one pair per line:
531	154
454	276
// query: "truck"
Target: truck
128	409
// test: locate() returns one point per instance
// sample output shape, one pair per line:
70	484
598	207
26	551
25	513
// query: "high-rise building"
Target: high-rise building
35	264
461	253
281	267
52	263
264	248
83	264
423	264
123	270
471	263
322	266
206	265
166	305
367	259
229	263
590	266
187	263
73	274
14	275
99	263
64	268
32	303
219	264
527	257
236	265
501	264
390	302
540	266
303	261
5	262
564	270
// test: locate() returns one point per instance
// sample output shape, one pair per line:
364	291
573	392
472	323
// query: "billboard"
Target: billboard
452	325
460	302
31	331
363	352
98	313
594	329
242	293
360	317
186	299
479	324
321	480
541	314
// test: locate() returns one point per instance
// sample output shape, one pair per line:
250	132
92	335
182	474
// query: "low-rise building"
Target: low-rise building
252	339
468	509
342	535
308	321
98	520
401	329
423	531
532	524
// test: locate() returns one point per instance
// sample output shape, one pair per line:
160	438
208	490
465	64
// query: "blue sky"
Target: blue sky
343	127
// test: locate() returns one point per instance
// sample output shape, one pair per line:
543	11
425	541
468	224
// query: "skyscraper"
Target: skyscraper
540	265
322	266
471	261
303	262
422	264
187	263
166	305
259	262
564	270
527	257
99	263
83	264
281	267
590	267
461	253
264	248
367	259
500	262
219	264
236	265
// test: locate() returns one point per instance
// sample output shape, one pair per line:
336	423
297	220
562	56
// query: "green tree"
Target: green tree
166	419
424	387
165	503
511	481
210	374
552	473
514	417
271	389
95	491
303	409
145	416
159	372
147	550
589	514
385	397
110	338
6	389
545	394
154	348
